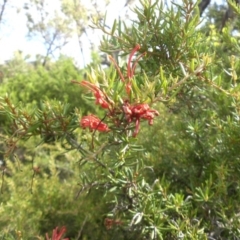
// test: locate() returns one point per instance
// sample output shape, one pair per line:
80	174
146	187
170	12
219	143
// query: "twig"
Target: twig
3	172
2	10
81	229
92	156
34	173
178	84
86	187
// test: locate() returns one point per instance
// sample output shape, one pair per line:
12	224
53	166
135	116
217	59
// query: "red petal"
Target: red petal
129	69
93	123
137	128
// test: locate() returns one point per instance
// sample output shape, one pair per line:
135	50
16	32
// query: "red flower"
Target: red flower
93	123
109	223
138	111
101	98
57	235
130	68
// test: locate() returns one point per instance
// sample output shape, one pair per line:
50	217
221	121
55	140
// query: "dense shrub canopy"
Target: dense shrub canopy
146	150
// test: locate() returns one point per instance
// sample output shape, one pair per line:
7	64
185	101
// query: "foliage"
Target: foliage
179	178
31	85
40	192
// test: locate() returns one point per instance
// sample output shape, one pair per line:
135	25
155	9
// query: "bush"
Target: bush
177	179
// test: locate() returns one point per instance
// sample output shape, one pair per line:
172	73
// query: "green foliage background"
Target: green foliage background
179	179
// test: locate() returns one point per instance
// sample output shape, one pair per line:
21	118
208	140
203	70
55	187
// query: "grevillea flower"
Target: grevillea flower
130	68
93	123
138	111
57	235
133	112
101	98
109	223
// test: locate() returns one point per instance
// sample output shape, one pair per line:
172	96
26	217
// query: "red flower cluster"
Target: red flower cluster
93	123
109	223
133	113
138	111
57	235
101	98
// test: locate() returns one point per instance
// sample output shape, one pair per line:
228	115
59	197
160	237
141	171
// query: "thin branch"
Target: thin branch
3	172
2	10
79	35
32	176
178	84
81	229
87	155
49	50
87	187
94	157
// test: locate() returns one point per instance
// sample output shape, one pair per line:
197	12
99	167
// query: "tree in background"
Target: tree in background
81	17
53	28
227	11
70	18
